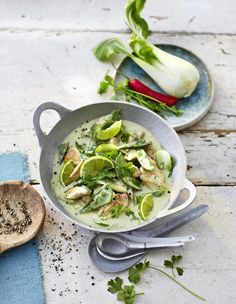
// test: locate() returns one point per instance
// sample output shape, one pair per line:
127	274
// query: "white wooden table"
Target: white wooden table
45	55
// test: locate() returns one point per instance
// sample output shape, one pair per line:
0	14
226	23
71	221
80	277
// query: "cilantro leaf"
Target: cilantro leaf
171	264
115	285
103	86
180	271
135	271
127	294
122	167
105	83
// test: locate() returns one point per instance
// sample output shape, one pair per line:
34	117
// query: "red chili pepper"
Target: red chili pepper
139	87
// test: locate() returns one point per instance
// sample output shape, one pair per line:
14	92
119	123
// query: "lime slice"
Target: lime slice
93	165
110	132
146	206
106	148
66	171
144	160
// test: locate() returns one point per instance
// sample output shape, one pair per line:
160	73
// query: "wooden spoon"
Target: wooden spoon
16	192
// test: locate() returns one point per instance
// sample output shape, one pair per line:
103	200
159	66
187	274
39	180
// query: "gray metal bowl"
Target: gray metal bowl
72	119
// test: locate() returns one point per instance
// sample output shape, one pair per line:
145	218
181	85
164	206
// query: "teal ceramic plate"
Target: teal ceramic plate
195	106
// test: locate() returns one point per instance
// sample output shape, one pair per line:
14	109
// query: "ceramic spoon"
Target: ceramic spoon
15	192
107	265
122	247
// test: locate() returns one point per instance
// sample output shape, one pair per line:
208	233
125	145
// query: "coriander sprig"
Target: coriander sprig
127	294
171	264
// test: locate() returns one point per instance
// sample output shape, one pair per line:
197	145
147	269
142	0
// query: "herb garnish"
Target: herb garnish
127	293
171	264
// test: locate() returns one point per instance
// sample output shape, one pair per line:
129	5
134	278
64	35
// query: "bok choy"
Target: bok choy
174	75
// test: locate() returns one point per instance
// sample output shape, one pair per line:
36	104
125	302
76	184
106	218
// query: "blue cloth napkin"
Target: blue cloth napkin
20	270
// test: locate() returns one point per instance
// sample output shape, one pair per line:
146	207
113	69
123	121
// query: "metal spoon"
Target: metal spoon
107	265
121	247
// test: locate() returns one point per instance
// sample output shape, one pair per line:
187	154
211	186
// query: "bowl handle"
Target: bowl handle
192	194
37	114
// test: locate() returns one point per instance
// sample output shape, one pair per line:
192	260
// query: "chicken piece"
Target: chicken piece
85	199
155	177
72	153
140	134
76	172
136	173
119	199
131	155
151	151
123	199
115	141
77	192
104	211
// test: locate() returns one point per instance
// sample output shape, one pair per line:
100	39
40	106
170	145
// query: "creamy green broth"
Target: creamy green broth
91	219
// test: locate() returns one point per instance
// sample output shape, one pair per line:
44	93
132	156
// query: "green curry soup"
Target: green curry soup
111	173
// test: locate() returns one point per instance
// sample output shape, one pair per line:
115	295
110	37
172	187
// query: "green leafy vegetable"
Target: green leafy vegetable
137	144
101	223
125	294
171	264
122	167
107	48
117	210
85	150
135	271
176	76
132	182
133	19
103	197
62	150
132	214
124	134
115	285
105	83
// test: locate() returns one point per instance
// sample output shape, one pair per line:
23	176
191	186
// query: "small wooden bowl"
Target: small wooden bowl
15	192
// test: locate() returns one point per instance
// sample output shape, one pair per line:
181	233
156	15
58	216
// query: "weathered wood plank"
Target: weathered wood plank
210	261
105	15
211	158
62	68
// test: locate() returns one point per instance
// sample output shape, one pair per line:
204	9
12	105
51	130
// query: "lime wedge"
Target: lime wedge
146	206
110	132
66	171
93	165
106	148
144	160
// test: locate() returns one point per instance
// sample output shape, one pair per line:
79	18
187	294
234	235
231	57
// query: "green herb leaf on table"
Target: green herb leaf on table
171	264
105	83
135	271
125	294
115	285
